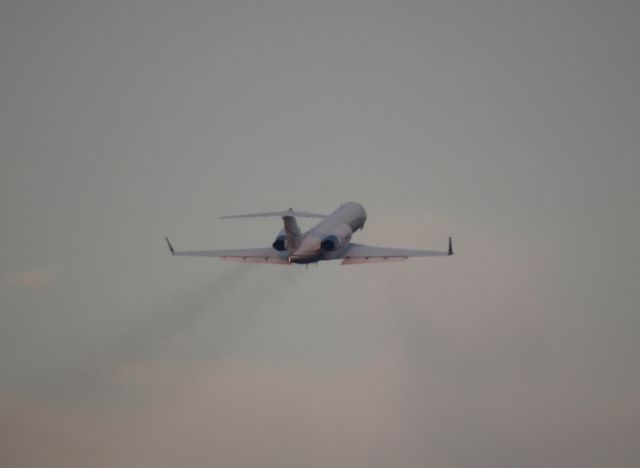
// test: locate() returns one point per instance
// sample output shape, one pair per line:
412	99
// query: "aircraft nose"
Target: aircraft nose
296	257
307	251
303	260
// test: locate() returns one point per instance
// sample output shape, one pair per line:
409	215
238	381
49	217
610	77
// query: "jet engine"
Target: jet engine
329	243
338	238
280	242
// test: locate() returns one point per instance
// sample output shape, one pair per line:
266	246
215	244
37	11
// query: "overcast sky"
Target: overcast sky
513	126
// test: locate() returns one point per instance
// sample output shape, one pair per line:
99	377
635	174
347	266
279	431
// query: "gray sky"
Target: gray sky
514	126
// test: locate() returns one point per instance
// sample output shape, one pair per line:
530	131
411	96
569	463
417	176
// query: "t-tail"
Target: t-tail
291	228
292	231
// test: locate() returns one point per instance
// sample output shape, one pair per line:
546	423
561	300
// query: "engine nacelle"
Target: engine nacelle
329	243
279	243
338	238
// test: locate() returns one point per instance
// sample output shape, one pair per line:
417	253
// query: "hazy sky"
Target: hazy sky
513	126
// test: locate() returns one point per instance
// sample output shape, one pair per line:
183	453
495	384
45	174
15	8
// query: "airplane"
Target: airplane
330	239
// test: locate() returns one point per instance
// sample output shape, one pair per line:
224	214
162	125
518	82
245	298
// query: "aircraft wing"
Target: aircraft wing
358	253
257	255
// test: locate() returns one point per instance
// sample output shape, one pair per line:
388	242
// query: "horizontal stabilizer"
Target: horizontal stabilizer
280	214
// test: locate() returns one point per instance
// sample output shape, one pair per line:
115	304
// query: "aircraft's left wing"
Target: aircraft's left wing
358	253
257	255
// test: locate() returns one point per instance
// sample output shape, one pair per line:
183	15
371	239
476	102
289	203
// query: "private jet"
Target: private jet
330	239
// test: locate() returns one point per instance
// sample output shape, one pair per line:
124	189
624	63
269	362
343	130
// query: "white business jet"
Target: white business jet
330	239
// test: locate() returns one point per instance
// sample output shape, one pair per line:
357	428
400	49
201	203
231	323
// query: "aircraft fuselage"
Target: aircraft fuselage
329	237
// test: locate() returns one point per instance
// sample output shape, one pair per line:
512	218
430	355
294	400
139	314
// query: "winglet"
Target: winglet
450	247
170	246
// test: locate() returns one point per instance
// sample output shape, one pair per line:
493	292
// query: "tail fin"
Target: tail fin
292	230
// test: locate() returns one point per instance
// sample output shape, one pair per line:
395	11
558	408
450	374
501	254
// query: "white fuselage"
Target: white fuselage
330	236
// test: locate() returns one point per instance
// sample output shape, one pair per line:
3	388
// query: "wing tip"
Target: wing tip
171	249
450	252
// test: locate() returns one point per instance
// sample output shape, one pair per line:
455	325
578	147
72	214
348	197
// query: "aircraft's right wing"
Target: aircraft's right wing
358	253
257	255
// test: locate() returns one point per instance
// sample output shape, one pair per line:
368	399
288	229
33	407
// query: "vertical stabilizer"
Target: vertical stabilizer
292	230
